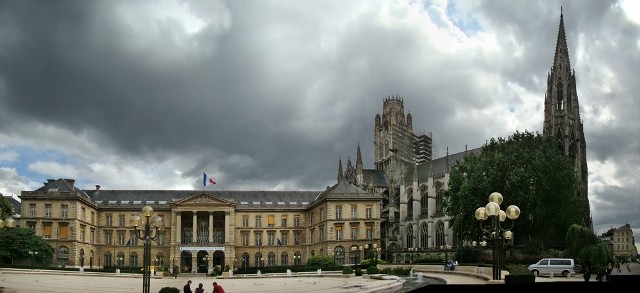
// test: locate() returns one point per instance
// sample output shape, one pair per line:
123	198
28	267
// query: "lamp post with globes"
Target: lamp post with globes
205	267
412	251
498	234
145	235
33	256
480	246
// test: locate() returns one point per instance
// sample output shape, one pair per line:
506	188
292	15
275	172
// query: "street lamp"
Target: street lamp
480	247
296	261
173	265
205	259
355	252
120	259
33	256
498	234
412	251
156	223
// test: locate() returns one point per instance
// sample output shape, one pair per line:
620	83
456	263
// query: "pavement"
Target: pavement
42	281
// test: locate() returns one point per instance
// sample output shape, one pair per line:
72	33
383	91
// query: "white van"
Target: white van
557	266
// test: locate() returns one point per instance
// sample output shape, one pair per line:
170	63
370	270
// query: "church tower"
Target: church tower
562	115
394	138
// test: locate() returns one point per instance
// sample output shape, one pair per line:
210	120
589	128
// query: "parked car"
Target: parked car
557	266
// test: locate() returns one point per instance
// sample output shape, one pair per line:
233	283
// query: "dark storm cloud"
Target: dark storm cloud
270	94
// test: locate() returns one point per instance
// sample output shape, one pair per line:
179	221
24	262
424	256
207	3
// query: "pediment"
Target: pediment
203	198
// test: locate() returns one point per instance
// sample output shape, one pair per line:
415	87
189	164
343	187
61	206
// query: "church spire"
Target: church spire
340	174
561	58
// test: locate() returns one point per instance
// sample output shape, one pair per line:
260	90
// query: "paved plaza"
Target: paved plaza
38	281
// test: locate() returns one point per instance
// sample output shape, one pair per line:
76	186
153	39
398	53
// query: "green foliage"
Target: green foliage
586	248
371	261
320	261
5	208
169	290
373	270
17	242
347	270
530	172
358	271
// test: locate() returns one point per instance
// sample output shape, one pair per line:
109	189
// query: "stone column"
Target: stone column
226	226
210	227
194	227
178	233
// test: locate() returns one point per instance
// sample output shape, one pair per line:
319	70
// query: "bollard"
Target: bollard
551	275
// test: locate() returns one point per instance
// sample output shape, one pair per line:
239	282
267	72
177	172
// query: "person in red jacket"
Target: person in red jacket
217	288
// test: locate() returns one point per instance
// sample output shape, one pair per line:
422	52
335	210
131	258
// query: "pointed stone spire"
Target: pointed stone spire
358	157
446	162
561	58
340	174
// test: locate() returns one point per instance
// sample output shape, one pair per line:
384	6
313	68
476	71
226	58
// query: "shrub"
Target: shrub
358	271
347	270
169	290
373	270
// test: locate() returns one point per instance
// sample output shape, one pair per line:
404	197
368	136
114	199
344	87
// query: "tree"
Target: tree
5	207
529	171
586	248
17	242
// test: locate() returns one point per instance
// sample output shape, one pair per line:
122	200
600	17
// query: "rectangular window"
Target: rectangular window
93	218
321	234
47	210
296	238
313	236
369	212
259	239
245	239
32	225
109	221
338	212
285	238
32	209
271	237
369	232
339	233
64	211
313	218
47	231
245	221
258	221
82	234
121	238
83	215
121	220
134	239
92	236
321	214
271	220
354	233
108	238
64	232
354	211
283	222
296	221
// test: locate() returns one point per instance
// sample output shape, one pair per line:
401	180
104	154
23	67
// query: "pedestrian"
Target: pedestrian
217	288
187	287
200	289
587	273
608	272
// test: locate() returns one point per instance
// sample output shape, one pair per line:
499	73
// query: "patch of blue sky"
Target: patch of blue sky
466	22
27	156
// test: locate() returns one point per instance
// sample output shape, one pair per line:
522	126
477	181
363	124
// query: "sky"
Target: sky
269	95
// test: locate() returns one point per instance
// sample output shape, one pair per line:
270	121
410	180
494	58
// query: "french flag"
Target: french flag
206	180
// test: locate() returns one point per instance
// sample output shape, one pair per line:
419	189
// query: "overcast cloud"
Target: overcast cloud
268	95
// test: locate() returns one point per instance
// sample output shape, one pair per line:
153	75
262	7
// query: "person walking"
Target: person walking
587	273
217	288
200	288
187	287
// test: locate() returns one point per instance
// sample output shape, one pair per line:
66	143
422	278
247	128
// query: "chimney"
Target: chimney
97	187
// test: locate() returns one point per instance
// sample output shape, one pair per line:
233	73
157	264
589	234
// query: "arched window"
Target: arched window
339	255
258	259
439	196
424	200
63	256
559	96
410	204
440	236
272	259
108	262
284	259
133	260
245	260
409	236
297	258
424	236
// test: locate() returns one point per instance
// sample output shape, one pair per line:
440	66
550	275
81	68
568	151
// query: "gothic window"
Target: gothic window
424	200
560	142
559	96
410	204
569	98
424	236
409	237
440	236
63	256
572	148
439	196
